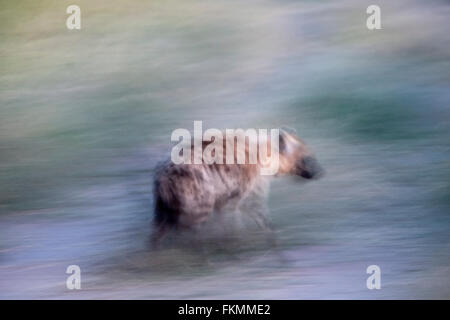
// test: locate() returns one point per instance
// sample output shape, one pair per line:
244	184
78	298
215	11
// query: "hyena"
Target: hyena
186	195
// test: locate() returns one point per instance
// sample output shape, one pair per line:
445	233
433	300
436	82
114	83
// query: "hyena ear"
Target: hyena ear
288	130
282	146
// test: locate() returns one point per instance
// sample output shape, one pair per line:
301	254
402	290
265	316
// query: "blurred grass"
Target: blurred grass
84	116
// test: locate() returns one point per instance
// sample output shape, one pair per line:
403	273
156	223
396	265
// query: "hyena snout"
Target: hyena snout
309	168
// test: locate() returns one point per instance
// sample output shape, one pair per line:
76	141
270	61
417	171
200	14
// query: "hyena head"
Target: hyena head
296	158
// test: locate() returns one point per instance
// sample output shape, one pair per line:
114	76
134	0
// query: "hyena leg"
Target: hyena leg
158	235
259	215
237	222
236	217
164	218
257	206
257	210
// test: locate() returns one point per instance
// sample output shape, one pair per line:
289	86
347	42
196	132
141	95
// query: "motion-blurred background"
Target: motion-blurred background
85	115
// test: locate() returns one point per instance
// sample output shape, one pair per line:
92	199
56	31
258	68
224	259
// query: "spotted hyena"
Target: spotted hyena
186	195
